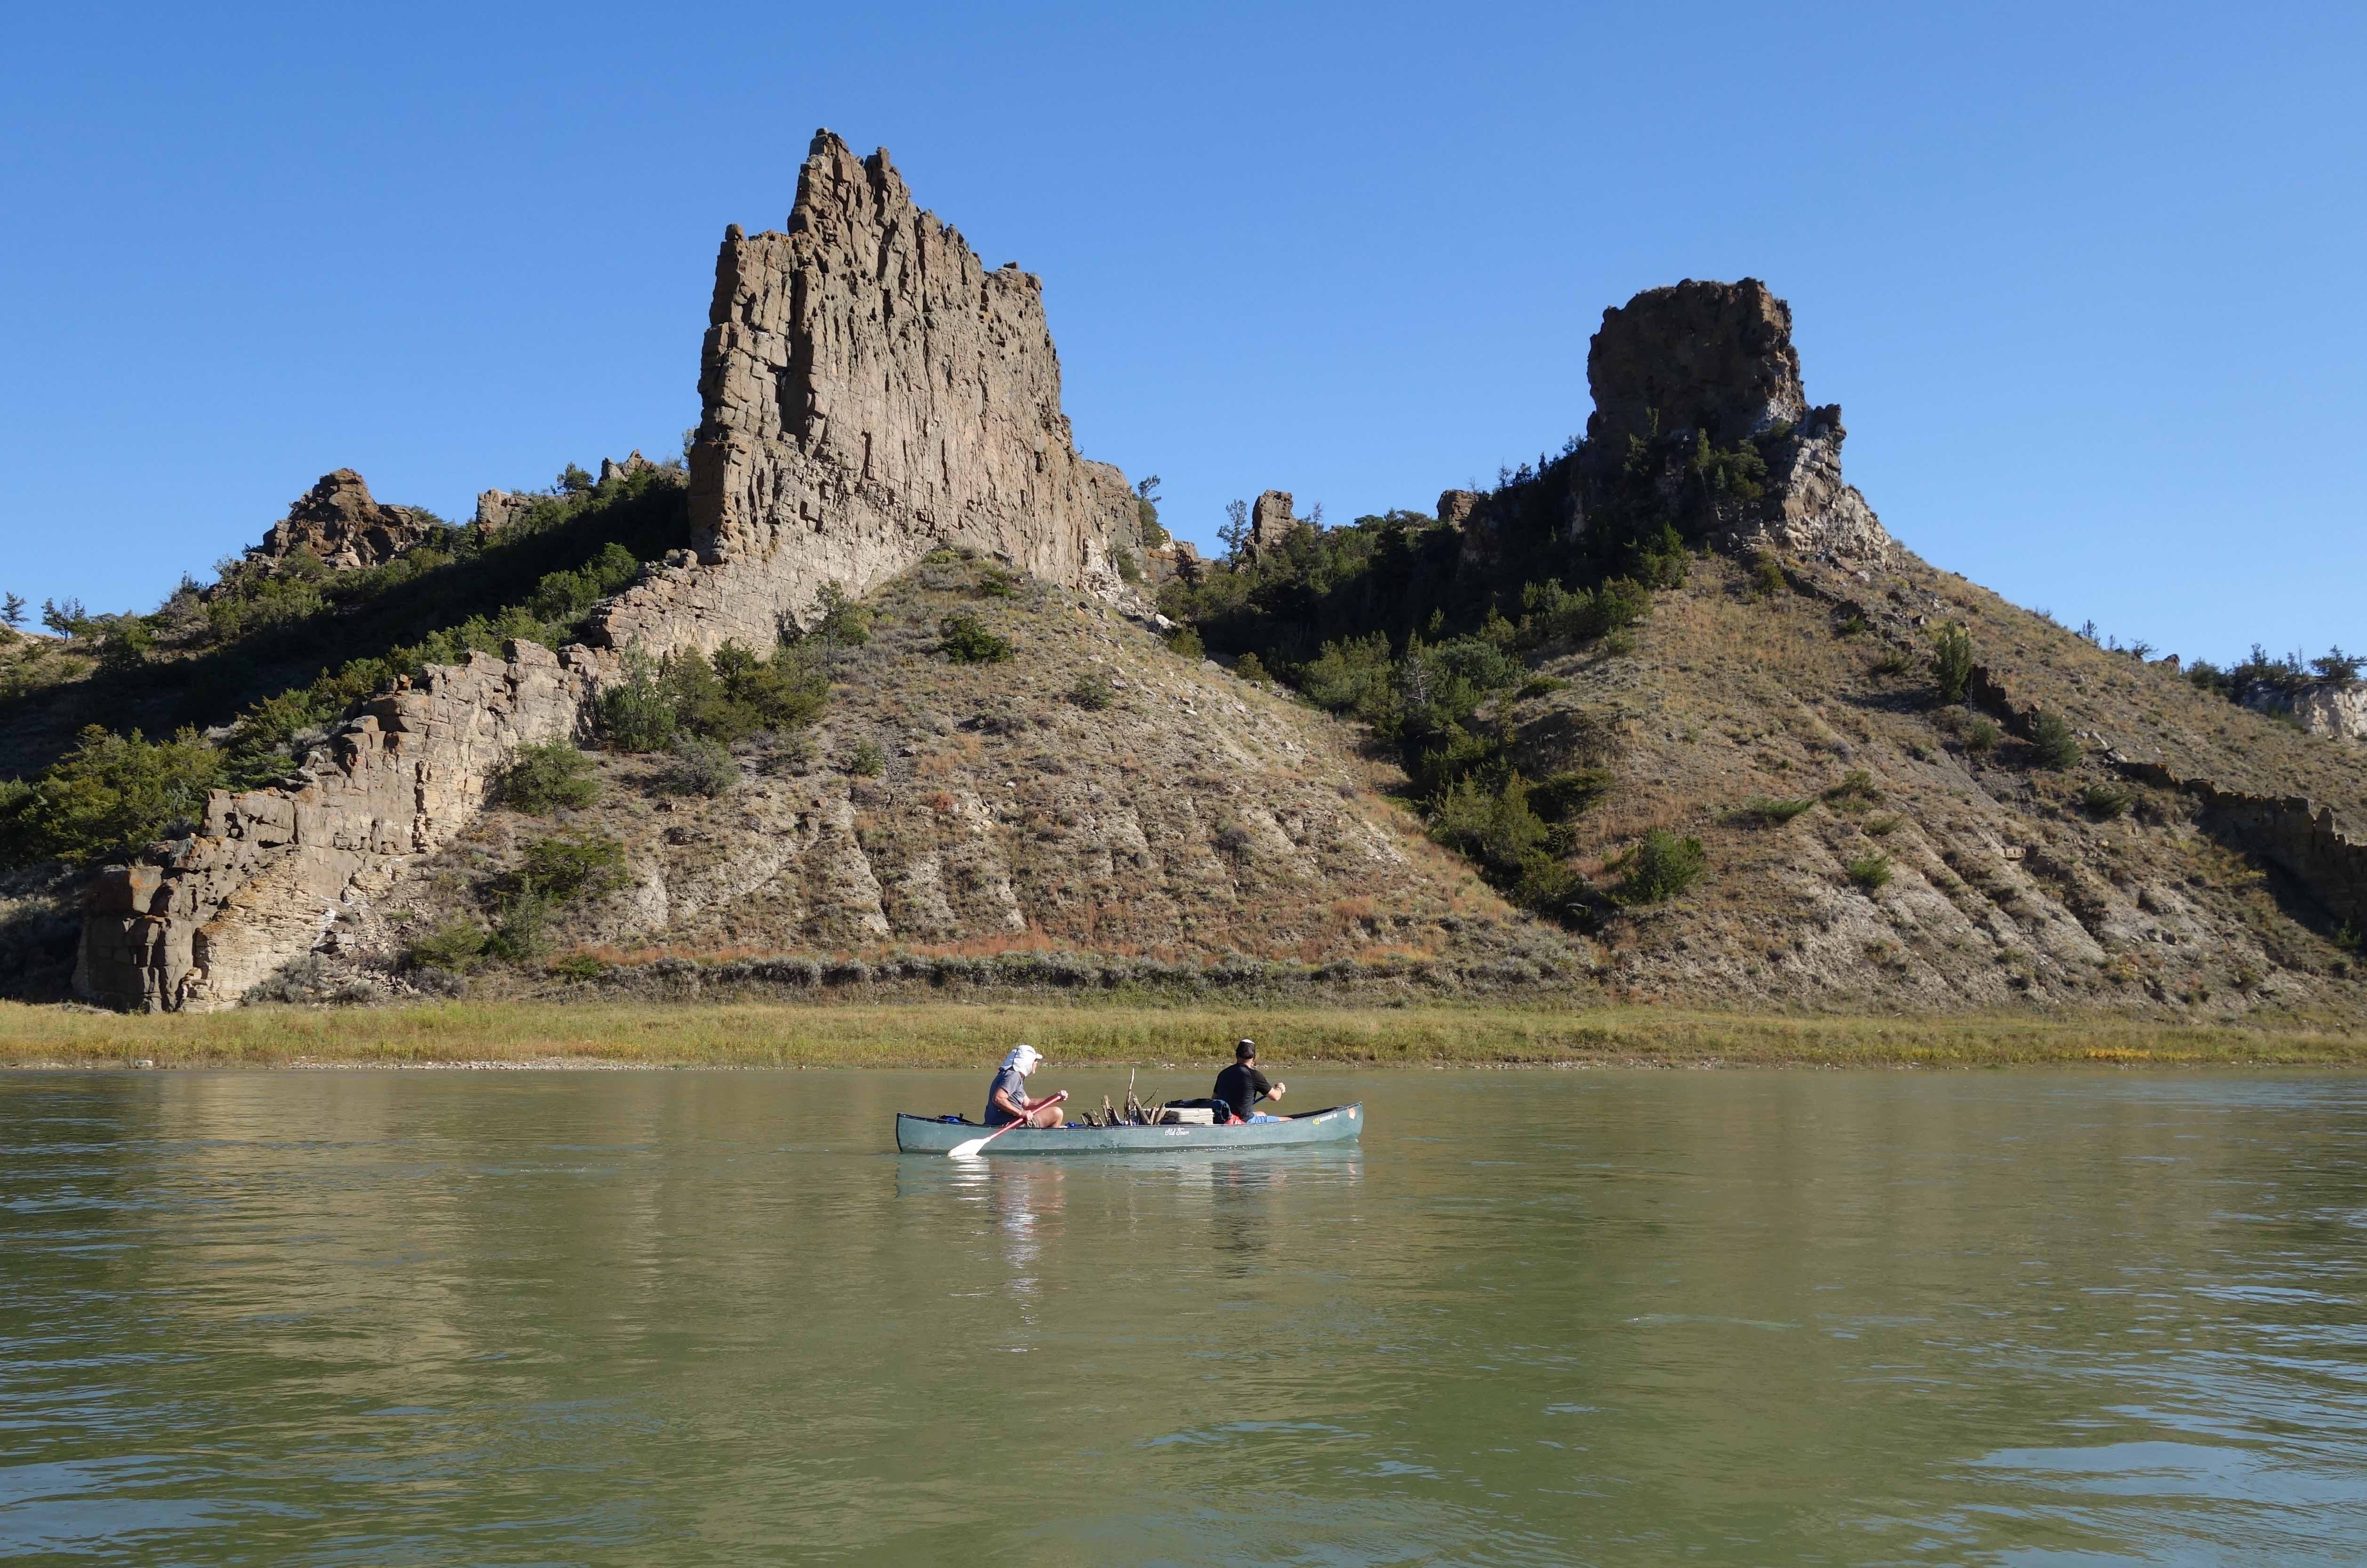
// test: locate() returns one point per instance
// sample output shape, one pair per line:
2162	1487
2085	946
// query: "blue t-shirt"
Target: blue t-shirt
1013	1082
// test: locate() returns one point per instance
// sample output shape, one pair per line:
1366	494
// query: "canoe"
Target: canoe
1334	1125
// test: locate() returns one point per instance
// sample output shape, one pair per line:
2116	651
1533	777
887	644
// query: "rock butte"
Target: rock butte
871	392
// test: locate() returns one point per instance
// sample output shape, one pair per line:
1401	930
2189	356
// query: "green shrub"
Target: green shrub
637	713
1557	797
1247	667
784	692
1128	568
702	766
1772	813
2052	744
457	945
1886	665
1854	793
1356	676
840	621
1870	872
868	761
1661	867
1980	736
1619	645
1184	643
1884	826
1952	662
1541	686
1093	691
1767	579
967	641
127	646
521	929
1146	513
545	776
724	699
579	966
562	870
108	797
1497	827
1853	627
995	583
2104	801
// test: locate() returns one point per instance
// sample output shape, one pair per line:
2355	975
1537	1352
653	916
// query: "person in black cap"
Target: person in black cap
1241	1086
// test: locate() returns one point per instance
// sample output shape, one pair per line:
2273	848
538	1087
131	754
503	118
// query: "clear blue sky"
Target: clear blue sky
2087	280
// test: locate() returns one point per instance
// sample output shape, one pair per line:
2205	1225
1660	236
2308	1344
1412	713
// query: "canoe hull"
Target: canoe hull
1339	1124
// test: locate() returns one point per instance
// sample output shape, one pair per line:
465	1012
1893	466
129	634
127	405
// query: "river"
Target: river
1537	1317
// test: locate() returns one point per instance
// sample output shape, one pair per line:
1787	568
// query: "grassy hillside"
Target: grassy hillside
1010	788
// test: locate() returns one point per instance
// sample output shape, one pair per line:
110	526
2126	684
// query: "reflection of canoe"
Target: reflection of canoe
1339	1124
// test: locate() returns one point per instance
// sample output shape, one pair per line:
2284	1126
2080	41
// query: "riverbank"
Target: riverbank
959	1035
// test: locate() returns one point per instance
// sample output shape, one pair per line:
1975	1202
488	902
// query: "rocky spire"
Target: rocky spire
869	391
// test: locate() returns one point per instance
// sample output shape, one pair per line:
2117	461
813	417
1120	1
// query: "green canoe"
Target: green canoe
933	1135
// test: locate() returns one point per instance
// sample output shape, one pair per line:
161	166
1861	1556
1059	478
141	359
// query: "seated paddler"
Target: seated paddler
1241	1086
1007	1101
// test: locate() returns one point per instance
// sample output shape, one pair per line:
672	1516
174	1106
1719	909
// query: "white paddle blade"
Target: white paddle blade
970	1150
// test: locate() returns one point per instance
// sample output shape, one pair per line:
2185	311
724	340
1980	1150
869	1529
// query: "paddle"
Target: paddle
975	1147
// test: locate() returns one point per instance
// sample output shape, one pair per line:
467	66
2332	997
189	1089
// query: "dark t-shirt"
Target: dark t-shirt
1010	1081
1242	1087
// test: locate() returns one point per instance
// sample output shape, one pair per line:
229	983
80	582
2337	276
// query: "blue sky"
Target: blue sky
2086	280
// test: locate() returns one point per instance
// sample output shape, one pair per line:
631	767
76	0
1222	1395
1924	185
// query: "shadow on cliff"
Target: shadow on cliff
210	688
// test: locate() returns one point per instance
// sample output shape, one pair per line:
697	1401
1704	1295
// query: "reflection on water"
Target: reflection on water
1536	1318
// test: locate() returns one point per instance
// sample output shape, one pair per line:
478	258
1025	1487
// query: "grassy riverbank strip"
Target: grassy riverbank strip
972	1035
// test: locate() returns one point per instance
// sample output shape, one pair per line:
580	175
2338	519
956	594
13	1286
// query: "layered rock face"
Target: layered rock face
870	393
1717	358
2338	708
337	521
272	870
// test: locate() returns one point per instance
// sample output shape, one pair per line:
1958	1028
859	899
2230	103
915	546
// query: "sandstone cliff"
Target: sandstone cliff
203	918
871	392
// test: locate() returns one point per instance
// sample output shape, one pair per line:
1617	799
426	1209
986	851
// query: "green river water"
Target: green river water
1578	1317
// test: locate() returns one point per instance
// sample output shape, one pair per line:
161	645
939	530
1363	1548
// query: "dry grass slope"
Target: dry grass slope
2004	886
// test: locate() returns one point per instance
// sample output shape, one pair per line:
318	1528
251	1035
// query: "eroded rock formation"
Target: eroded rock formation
2338	708
1717	359
1675	370
1269	521
261	882
338	522
870	393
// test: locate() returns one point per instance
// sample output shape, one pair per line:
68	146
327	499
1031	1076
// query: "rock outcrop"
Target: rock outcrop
1271	522
1715	360
264	879
870	393
497	509
338	523
1673	371
2336	708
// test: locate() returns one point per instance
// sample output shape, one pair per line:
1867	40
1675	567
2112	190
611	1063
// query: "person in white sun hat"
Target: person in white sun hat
1007	1101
